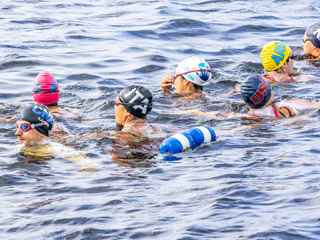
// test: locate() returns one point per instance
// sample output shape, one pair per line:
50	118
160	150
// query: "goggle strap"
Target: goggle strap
40	124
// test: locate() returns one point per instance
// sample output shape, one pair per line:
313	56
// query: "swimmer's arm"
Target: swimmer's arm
75	156
198	113
9	119
96	134
302	104
238	129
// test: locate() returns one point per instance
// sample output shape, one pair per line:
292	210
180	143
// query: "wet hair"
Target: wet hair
53	104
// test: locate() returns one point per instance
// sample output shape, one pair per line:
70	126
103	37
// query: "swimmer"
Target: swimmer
190	76
34	125
311	42
33	128
256	93
46	92
132	106
277	60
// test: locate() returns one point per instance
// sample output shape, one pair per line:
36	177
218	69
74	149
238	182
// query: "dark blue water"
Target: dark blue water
262	183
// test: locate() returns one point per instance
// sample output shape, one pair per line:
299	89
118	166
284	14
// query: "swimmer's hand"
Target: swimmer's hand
166	83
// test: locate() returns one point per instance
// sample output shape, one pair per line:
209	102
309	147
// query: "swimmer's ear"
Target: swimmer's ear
127	114
186	82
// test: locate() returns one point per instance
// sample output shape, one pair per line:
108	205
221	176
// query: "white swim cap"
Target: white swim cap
196	70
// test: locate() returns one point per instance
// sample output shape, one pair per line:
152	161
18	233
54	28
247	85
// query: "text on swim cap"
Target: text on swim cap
44	114
261	92
143	108
318	33
138	95
280	49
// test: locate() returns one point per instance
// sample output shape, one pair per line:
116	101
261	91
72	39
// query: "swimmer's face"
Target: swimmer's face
31	137
290	64
119	112
269	102
307	45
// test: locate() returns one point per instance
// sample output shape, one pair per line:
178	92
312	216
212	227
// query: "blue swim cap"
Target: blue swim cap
313	33
256	91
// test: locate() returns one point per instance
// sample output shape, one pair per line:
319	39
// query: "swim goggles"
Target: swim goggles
42	91
175	76
27	126
116	103
304	40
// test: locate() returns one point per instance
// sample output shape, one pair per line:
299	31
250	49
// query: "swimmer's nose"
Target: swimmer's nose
18	132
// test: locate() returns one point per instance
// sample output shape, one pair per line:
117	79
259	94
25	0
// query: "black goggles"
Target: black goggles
41	91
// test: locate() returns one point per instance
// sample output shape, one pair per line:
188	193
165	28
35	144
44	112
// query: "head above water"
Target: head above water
45	89
196	70
256	91
137	100
38	114
274	54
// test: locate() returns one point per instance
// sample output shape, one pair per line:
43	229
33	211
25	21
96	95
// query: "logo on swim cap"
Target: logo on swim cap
137	100
274	55
45	89
196	70
256	91
38	113
44	114
261	92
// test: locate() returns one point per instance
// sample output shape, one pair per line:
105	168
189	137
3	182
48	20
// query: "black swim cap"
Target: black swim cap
256	91
38	113
137	100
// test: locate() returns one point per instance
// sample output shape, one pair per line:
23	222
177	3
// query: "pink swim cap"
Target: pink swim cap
45	89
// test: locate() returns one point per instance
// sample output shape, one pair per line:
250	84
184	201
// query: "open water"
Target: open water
262	183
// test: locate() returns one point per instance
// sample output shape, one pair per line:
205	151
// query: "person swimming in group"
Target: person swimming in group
277	60
311	42
34	125
190	76
256	93
132	105
46	92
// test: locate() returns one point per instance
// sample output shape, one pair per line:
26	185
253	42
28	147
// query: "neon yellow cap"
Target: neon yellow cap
274	54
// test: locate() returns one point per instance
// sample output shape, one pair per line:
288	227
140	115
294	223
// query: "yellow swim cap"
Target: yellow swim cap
274	54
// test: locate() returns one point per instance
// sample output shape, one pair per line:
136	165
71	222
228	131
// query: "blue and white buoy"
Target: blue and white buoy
189	139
